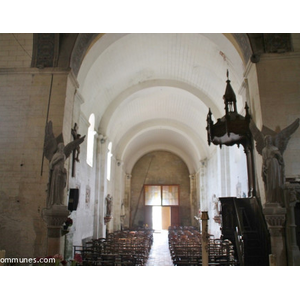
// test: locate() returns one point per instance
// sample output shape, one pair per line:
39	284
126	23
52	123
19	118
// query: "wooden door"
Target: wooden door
166	217
174	215
148	216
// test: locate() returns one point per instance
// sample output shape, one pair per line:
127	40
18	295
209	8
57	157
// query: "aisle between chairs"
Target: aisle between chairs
160	253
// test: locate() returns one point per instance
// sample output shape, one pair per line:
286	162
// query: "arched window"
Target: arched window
90	141
109	155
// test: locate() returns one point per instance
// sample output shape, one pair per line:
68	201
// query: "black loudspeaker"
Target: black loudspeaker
73	199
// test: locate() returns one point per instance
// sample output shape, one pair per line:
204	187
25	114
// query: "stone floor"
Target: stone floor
160	254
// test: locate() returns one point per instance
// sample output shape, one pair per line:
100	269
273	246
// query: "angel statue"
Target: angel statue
56	152
271	145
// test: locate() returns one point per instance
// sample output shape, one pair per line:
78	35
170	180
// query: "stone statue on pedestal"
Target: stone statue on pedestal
57	177
108	205
271	146
56	152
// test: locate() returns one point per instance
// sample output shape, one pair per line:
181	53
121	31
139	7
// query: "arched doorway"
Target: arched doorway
160	191
161	205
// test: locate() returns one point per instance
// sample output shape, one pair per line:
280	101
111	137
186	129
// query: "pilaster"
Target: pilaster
98	224
127	199
193	199
118	194
203	185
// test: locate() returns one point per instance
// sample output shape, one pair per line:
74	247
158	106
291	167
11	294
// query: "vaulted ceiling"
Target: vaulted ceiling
153	91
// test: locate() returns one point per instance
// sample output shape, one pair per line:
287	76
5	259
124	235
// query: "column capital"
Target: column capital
192	176
275	220
101	137
203	163
275	216
119	162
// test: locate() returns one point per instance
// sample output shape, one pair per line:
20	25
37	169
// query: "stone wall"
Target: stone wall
24	172
24	99
165	168
16	50
278	78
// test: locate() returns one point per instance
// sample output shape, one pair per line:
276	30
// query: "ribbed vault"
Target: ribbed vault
152	91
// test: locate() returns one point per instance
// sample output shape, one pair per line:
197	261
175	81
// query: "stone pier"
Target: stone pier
55	217
275	216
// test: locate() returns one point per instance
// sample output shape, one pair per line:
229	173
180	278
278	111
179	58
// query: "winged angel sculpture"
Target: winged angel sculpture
57	153
271	145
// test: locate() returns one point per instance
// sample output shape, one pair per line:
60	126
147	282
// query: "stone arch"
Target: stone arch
69	49
243	42
159	167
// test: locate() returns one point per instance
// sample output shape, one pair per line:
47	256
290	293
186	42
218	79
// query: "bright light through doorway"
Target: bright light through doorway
156	218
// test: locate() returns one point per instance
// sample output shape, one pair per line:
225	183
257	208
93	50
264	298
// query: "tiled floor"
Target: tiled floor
160	253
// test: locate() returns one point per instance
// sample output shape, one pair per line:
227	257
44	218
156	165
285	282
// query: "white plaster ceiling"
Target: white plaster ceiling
152	91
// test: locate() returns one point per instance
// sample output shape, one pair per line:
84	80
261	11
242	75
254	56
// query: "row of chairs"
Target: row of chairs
124	248
184	245
186	249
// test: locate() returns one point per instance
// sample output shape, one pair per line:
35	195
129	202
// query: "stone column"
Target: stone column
127	220
275	216
55	217
205	242
102	186
203	184
248	149
203	187
107	219
193	199
118	195
98	222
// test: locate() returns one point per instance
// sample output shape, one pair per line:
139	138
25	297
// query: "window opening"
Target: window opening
109	155
165	195
90	141
170	195
152	195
